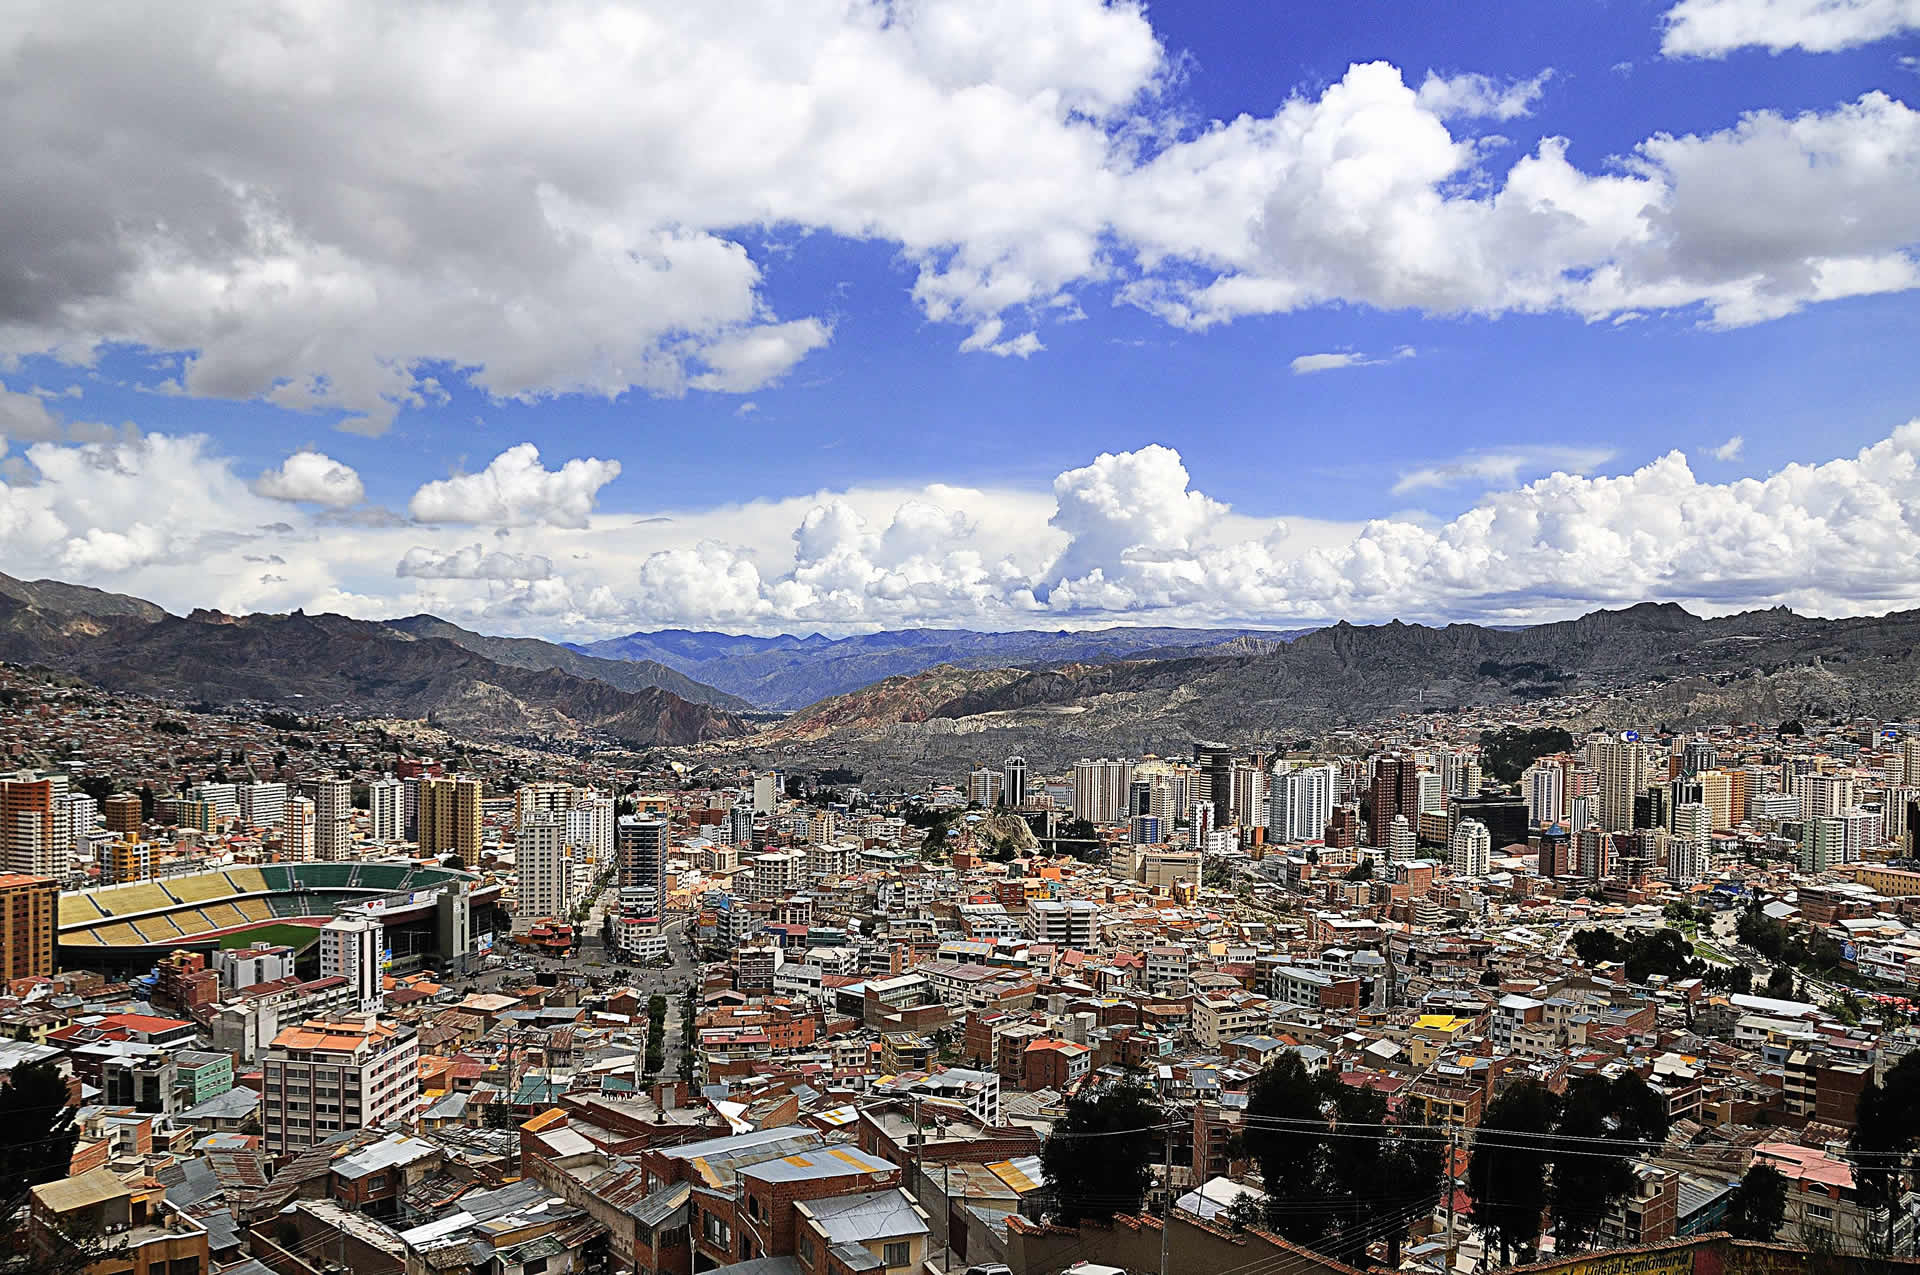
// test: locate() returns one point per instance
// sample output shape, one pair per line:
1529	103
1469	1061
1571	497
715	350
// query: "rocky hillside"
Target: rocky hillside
1643	664
328	663
786	672
892	700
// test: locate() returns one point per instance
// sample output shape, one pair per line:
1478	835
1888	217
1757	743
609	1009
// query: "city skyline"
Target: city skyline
1055	316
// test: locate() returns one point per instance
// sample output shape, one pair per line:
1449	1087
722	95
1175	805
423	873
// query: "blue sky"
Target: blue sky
301	259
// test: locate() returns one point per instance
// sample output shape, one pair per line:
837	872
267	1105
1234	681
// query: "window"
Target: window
809	1252
898	1253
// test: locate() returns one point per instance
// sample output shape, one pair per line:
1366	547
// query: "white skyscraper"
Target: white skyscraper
333	820
1299	803
1433	794
590	828
1402	842
263	805
1687	848
1545	787
386	814
1472	849
1100	789
543	866
1823	795
83	812
352	947
223	798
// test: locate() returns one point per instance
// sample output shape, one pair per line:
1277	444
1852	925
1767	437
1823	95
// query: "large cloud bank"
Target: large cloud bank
1123	538
339	207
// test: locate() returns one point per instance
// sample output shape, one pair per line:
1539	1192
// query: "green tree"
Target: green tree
1882	1144
1361	871
1507	1176
1780	983
1378	1181
1758	1205
1286	1133
499	1114
1586	1184
35	1113
1097	1158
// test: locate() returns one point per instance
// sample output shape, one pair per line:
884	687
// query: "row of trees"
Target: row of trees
656	1032
1341	1176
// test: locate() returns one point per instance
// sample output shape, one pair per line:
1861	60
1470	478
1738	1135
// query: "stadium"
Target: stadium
432	915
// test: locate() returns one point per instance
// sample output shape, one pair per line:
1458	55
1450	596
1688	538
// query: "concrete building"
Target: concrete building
386	811
544	869
330	1075
354	948
449	816
27	908
34	836
333	820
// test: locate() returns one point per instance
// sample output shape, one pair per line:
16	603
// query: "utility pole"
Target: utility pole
1166	1204
1447	1185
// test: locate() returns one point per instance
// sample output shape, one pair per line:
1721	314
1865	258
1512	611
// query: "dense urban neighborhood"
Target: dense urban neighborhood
1450	993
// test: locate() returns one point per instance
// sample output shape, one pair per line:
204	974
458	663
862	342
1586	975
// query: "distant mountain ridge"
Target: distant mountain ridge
534	653
329	663
1644	665
788	672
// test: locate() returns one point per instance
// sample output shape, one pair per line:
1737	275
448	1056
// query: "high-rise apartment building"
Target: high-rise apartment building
590	828
1299	803
1823	795
333	820
27	908
543	870
1403	842
1396	791
1100	789
122	811
223	800
262	805
544	798
1013	782
1619	763
83	813
1249	793
300	825
330	1075
1544	787
1472	849
450	817
984	786
642	844
353	947
35	839
386	811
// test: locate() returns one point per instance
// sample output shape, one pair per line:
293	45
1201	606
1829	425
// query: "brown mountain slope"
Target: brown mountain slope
328	663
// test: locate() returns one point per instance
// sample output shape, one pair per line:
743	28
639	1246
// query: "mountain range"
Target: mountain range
322	664
1051	696
1647	664
787	673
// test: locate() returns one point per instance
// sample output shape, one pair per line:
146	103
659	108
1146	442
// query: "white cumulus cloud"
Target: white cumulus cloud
548	199
312	476
515	490
1714	28
1731	449
472	562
